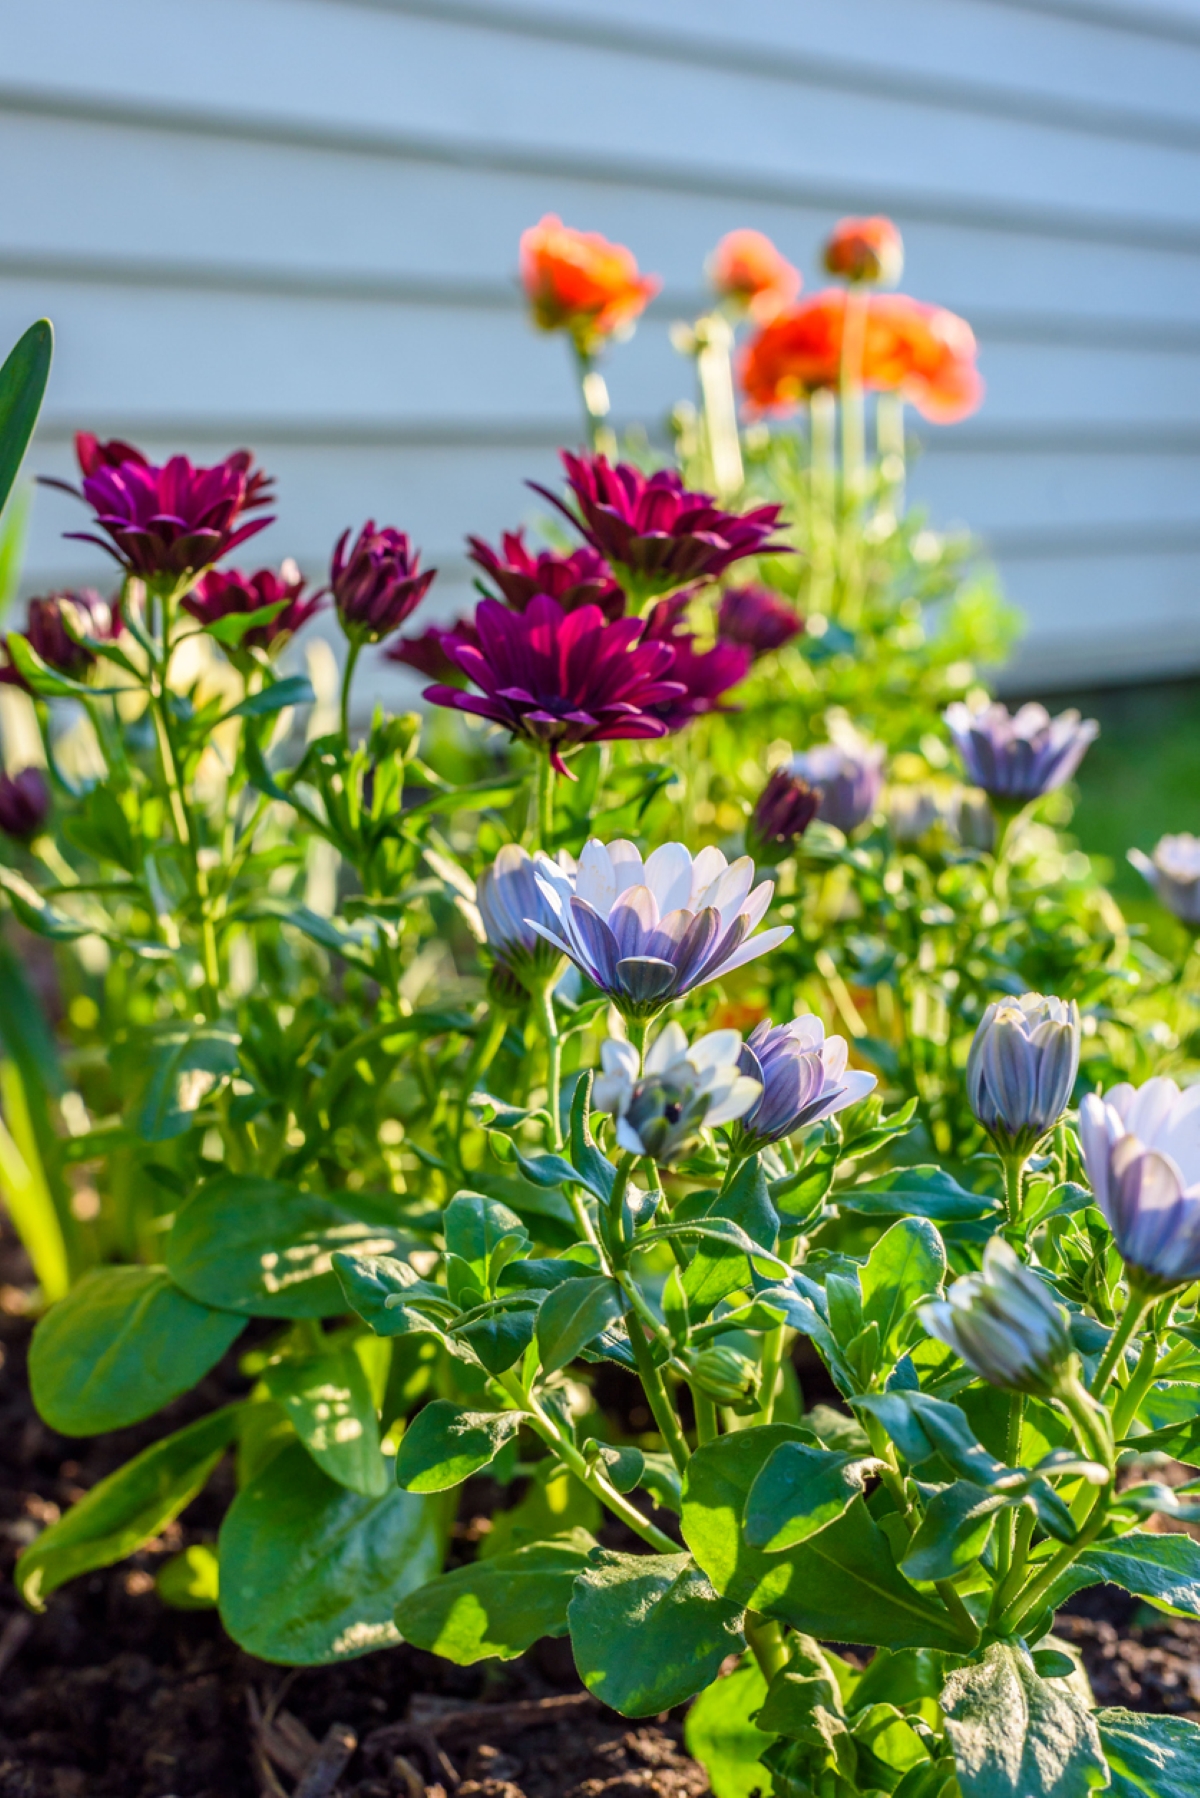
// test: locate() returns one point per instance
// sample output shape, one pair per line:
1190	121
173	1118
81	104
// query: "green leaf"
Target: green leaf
1015	1735
236	626
953	1533
311	1572
127	1508
798	1196
798	1491
296	689
499	1341
741	1215
484	1234
190	1581
173	1095
595	1170
906	1266
1150	1757
36	914
917	1192
573	1314
1165	1570
445	1444
648	1631
329	1404
265	1248
122	1344
842	1584
102	830
554	1503
22	388
498	1607
27	1167
719	1732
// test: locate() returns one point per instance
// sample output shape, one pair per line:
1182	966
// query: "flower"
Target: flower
746	268
429	655
912	812
1021	1068
654	529
803	1075
1141	1148
580	579
784	810
682	1090
579	282
757	618
509	896
1016	757
646	933
227	592
93	453
923	353
1174	873
379	584
47	634
561	678
849	773
24	804
176	520
704	675
865	250
1004	1324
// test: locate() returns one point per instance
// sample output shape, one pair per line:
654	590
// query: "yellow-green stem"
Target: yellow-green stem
657	1398
353	651
765	1640
1135	1307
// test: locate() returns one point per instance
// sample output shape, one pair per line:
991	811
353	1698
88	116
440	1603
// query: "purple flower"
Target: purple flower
803	1075
653	530
428	654
379	584
705	676
580	579
757	618
94	453
849	773
785	808
1142	1152
176	520
1021	1068
646	933
227	592
561	678
46	632
1174	873
510	898
24	804
1016	757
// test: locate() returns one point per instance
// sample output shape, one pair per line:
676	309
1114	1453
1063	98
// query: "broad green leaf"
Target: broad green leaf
296	689
716	1270
22	387
906	1266
127	1508
235	626
265	1248
953	1532
329	1404
573	1314
1165	1570
36	913
842	1584
390	1295
648	1631
1148	1756
484	1235
719	1733
498	1607
1015	1735
122	1344
25	1179
916	1192
500	1339
190	1581
444	1445
311	1572
184	1066
799	1491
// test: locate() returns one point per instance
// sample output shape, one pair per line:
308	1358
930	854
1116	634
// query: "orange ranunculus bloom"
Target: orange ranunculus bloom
922	352
867	250
746	267
577	281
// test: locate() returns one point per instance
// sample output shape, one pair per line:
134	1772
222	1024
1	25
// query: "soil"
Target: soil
109	1692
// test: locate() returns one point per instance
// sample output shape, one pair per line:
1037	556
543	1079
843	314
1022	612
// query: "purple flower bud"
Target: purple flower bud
46	632
849	773
912	812
227	592
1021	1068
510	894
1174	873
1016	757
580	579
24	804
1141	1148
785	809
803	1075
1004	1324
379	584
758	619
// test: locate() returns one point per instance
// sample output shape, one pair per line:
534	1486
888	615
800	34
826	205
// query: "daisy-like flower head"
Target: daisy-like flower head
1174	873
1141	1147
508	894
682	1090
803	1076
648	932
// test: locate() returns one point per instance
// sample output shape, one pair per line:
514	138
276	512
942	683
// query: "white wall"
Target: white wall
293	224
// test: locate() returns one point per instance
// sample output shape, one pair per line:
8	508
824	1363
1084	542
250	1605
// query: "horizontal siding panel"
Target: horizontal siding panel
1105	618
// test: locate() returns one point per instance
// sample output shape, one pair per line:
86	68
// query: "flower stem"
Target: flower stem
765	1641
656	1395
1014	1180
1007	1521
543	800
1135	1306
544	1006
706	1417
594	393
1129	1401
353	651
1016	1612
772	1361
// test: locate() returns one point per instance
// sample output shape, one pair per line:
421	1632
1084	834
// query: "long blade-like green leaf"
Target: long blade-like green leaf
22	386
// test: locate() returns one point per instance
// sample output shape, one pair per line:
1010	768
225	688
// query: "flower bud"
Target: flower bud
785	808
682	1090
46	632
24	804
378	584
912	812
803	1075
1174	873
865	251
1021	1068
1141	1148
511	902
726	1376
849	773
1017	757
1004	1324
758	619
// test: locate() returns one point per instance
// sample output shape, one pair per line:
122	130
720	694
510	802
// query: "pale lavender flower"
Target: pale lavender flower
849	774
1004	1324
682	1090
803	1075
1016	757
648	932
1022	1066
509	896
1141	1148
1174	873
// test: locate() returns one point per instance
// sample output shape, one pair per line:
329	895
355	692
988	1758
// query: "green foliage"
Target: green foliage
648	1631
500	1606
1013	1732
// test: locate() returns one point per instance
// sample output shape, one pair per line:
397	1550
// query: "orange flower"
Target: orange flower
924	353
866	250
747	268
577	281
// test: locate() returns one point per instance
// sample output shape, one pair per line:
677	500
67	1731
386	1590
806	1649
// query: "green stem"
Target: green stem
706	1417
1014	1180
660	1404
487	1047
594	394
1143	1377
1007	1521
1007	1588
544	803
1035	1591
765	1641
353	651
965	1624
772	1361
544	1006
1135	1306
